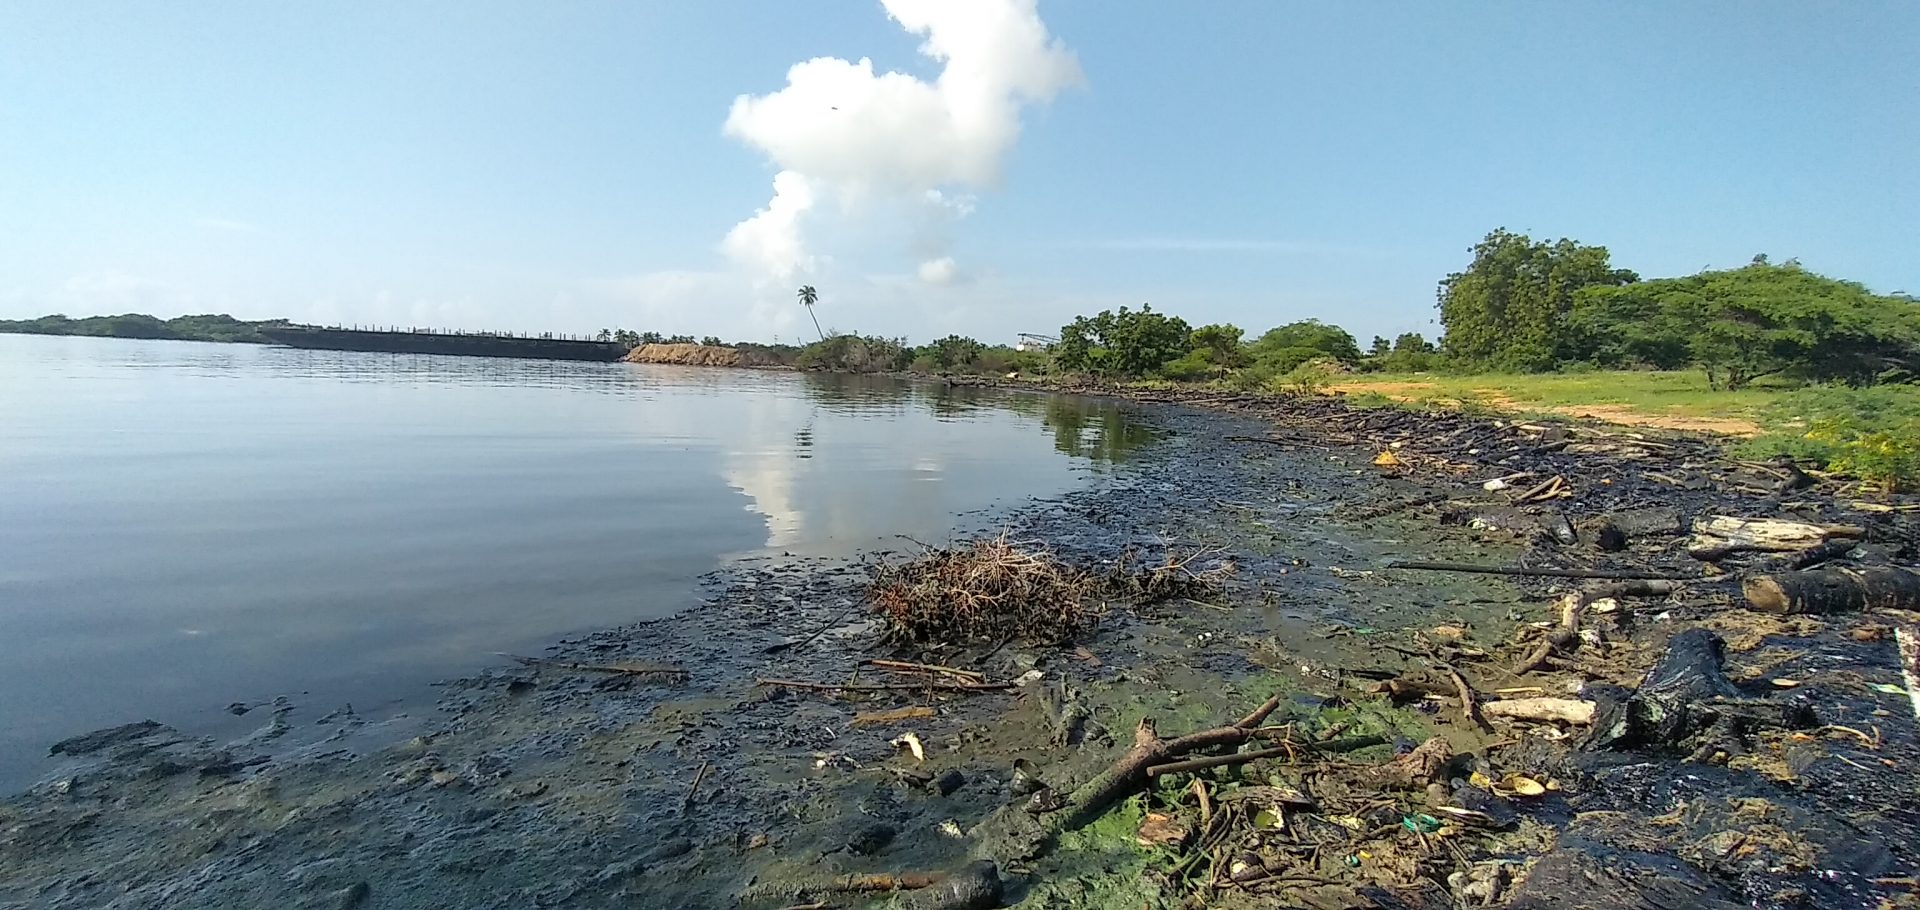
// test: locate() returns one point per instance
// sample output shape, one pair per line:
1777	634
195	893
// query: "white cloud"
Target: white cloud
940	271
839	130
770	240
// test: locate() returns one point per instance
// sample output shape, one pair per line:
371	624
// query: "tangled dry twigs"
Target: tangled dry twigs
994	588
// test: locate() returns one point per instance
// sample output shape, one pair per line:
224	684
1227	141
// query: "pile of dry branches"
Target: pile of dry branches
994	588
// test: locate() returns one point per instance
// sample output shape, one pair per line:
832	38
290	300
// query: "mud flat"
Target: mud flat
1368	736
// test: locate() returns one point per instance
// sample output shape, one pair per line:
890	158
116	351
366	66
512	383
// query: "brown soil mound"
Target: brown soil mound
699	355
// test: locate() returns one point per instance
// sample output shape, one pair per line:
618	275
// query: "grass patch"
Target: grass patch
1654	393
1871	433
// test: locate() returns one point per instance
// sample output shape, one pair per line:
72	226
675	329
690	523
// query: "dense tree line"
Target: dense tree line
1527	306
1519	305
206	327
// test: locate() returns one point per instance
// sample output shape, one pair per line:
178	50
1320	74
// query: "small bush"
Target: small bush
1871	433
1311	378
1194	365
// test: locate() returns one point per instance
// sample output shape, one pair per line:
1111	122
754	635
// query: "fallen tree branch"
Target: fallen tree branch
1092	798
1834	589
1469	706
883	687
620	669
1542	571
901	666
1289	750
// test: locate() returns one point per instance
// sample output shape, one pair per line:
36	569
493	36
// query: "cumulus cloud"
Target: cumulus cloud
868	140
941	271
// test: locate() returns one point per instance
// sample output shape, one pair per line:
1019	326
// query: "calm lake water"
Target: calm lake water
186	525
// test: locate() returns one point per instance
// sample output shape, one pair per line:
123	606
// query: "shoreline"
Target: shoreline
574	785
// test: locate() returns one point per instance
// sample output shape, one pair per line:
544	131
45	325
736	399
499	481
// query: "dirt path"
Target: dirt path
1624	415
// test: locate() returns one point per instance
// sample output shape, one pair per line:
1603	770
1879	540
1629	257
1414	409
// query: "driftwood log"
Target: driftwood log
1616	530
1834	589
1720	536
1686	704
1540	710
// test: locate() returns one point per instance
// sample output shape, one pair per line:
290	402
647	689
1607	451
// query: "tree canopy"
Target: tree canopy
1746	323
1508	308
1121	343
1284	347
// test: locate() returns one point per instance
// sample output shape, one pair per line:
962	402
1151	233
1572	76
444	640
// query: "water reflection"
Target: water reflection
1104	436
225	523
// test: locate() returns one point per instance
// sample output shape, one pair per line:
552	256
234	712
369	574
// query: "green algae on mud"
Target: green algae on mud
554	788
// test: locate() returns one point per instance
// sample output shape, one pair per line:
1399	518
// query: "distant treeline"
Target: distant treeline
1527	306
1520	305
138	325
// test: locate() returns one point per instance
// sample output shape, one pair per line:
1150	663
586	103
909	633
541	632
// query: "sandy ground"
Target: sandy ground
1624	415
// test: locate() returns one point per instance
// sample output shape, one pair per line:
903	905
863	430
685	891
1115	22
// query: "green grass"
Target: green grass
1872	433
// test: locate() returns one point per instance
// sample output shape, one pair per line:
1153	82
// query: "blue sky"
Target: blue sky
568	166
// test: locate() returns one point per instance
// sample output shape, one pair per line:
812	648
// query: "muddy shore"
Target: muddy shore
586	780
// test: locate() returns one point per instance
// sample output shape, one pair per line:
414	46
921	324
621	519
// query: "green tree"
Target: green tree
713	341
1127	343
1747	323
1220	344
952	352
809	297
1508	308
1380	347
1412	343
855	354
1283	348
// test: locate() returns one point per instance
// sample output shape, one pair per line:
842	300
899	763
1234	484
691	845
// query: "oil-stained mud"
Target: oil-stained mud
592	779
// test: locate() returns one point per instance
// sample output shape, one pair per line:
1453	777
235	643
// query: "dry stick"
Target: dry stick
1542	487
694	790
883	687
1469	706
1350	744
901	666
1530	570
782	646
1566	636
621	669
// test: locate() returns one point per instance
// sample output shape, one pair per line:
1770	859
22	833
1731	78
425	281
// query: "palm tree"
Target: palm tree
808	297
